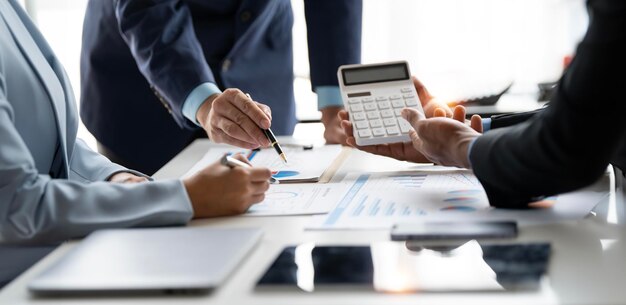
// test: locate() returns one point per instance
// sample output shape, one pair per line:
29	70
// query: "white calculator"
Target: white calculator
374	96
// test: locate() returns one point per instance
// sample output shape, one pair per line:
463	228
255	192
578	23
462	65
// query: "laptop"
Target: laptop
152	260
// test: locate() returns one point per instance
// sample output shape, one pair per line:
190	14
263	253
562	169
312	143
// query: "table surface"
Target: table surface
588	264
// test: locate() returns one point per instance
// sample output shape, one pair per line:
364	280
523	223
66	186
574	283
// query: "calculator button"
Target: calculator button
373	115
381	98
370	106
404	126
361	124
357	116
357	107
384	105
390	122
368	99
398	112
397	104
386	113
395	97
376	123
365	133
405	90
408	96
392	130
378	132
354	101
411	102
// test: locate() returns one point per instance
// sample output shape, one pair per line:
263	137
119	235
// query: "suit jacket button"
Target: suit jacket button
226	65
245	16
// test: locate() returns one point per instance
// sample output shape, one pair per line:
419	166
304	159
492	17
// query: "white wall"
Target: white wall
457	47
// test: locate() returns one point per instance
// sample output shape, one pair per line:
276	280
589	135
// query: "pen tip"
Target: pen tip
282	156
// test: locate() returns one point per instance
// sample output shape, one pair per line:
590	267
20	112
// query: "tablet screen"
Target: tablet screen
396	267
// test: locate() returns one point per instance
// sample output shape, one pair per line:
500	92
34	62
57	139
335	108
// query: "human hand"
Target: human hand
218	190
403	151
333	133
232	117
126	177
442	140
429	102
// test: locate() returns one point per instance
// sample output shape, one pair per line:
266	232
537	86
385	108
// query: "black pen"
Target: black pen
232	162
273	142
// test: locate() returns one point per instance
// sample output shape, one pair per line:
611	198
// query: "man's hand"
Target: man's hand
125	177
442	140
404	151
233	118
429	102
333	133
218	190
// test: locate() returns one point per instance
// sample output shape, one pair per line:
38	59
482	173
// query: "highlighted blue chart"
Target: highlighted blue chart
469	192
409	181
465	200
285	174
459	208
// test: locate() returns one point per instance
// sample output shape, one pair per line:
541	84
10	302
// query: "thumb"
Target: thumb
413	116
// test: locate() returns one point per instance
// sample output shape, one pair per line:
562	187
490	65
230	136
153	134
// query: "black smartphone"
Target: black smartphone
454	230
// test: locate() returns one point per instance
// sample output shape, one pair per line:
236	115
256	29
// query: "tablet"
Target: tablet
155	260
394	267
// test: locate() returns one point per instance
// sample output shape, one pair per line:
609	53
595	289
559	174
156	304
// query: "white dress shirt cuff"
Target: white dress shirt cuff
195	99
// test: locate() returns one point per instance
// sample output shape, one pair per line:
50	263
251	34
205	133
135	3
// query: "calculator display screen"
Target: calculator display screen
375	74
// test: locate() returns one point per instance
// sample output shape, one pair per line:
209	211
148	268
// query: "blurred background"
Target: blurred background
458	48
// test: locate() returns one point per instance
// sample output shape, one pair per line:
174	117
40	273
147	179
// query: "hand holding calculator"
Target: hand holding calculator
374	96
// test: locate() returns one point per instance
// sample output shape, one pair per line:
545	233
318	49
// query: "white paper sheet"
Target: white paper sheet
378	201
303	165
298	199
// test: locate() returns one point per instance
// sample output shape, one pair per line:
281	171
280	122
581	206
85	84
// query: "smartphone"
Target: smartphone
454	230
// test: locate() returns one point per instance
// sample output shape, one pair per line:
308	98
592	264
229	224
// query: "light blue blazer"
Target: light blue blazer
51	184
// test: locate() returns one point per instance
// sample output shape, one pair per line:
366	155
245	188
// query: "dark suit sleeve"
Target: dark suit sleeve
570	144
506	120
334	37
162	39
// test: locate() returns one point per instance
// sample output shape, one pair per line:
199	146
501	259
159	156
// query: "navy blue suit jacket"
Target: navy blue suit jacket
141	59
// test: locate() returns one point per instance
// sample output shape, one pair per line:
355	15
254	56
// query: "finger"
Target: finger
219	136
459	114
347	128
259	188
343	115
228	110
234	130
422	92
266	109
251	109
412	116
257	198
439	113
259	174
242	158
417	142
477	123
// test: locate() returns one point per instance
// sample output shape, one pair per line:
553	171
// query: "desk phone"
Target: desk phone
374	95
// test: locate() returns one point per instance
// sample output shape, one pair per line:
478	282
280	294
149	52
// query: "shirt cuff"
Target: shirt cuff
486	124
195	99
328	96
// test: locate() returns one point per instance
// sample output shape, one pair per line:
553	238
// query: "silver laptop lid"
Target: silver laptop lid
142	260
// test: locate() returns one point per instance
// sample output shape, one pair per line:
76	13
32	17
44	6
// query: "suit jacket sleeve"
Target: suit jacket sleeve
162	39
37	208
87	165
570	144
334	37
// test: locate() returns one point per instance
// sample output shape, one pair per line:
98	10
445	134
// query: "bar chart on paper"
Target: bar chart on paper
381	200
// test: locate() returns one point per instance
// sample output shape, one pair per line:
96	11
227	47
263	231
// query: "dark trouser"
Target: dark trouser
111	155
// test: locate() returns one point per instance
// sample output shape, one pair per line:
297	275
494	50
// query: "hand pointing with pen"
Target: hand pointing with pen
233	118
